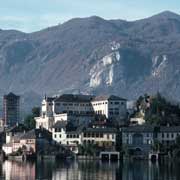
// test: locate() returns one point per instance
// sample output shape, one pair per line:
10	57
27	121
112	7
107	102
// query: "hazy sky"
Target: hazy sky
33	15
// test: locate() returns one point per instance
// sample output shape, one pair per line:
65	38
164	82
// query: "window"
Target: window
172	135
101	135
167	135
60	136
57	130
162	135
107	136
55	136
116	103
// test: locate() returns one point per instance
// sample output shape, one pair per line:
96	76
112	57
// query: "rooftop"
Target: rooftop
17	128
101	130
140	128
170	129
74	98
60	124
11	95
37	133
110	97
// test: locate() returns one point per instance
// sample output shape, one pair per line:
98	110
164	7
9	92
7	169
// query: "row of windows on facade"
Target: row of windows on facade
169	135
116	112
163	135
93	142
139	142
86	135
150	142
147	135
99	143
67	136
100	112
97	135
85	104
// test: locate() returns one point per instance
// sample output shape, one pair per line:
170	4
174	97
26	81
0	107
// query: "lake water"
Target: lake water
82	170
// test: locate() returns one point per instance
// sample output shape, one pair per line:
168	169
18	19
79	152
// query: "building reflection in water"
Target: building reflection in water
146	170
86	170
89	170
18	170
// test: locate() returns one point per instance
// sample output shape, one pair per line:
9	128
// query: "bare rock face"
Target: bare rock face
94	55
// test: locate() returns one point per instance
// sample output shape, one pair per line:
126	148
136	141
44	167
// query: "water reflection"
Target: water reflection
89	170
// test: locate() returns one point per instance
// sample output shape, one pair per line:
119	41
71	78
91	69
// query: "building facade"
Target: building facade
80	109
138	139
167	135
11	109
142	138
70	137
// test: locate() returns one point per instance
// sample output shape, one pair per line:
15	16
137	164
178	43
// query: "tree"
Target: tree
36	111
30	119
157	110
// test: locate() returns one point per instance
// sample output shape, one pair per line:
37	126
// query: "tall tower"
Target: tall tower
11	109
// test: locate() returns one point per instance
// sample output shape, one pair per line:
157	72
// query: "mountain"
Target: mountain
94	55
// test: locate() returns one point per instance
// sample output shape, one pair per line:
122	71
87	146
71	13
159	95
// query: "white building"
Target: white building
102	137
137	121
63	134
46	120
80	109
113	107
70	137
